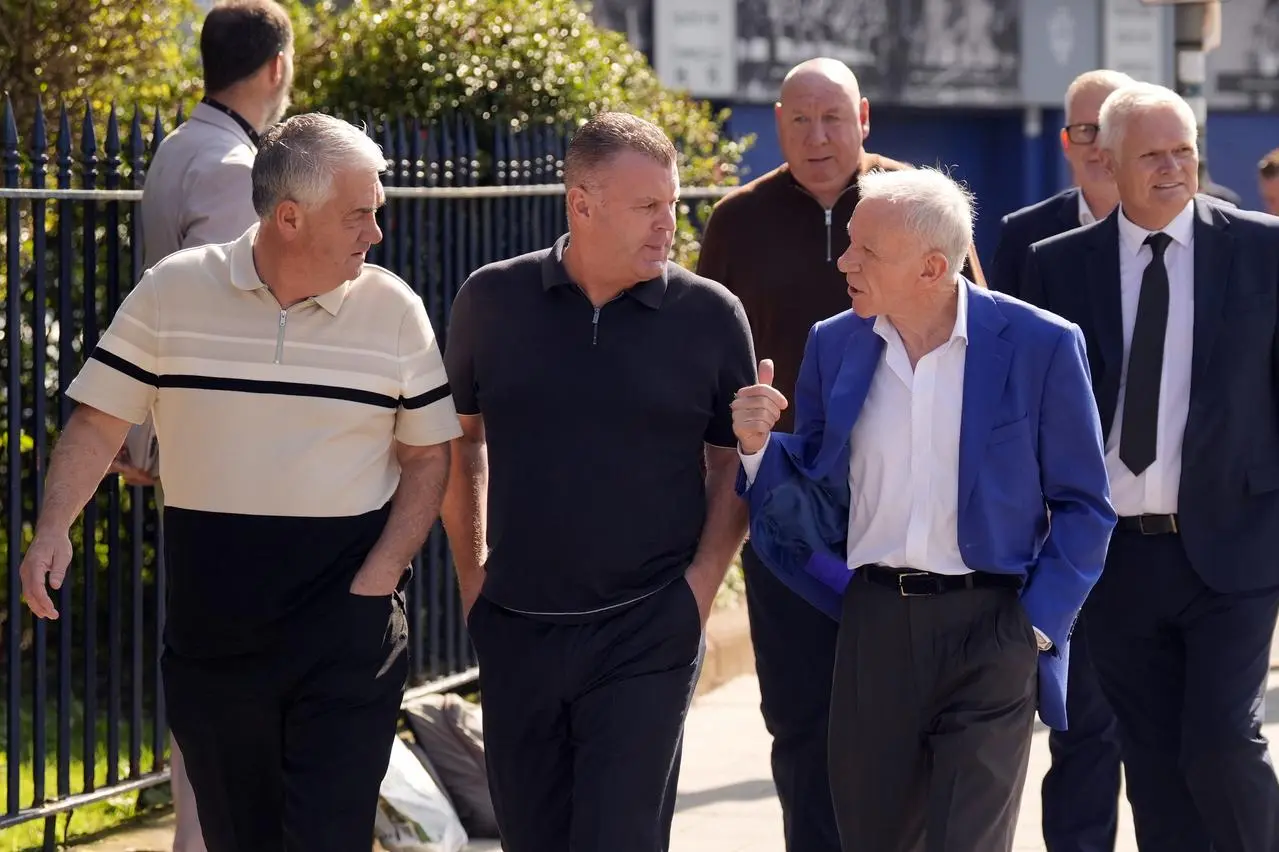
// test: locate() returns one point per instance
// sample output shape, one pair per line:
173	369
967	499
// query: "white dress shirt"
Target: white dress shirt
1155	490
903	468
1085	212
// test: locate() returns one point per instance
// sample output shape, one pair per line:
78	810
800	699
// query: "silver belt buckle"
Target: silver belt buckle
901	584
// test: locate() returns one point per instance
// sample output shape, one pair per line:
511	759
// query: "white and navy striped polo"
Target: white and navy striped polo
277	428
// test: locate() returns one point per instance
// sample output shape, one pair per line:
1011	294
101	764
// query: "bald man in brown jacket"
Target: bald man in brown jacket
774	243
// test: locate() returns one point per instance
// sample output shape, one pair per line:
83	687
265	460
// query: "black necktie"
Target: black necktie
1146	362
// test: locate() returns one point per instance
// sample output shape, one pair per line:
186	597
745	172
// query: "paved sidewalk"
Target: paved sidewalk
727	802
726	797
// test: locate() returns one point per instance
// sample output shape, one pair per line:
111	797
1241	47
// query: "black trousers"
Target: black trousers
1080	792
794	658
583	723
1185	669
931	714
286	748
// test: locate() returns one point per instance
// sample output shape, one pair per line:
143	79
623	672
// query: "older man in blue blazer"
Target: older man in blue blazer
939	427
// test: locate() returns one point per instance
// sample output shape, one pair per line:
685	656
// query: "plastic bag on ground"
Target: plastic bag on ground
413	815
449	729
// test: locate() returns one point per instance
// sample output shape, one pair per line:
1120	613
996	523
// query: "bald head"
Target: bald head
822	73
821	122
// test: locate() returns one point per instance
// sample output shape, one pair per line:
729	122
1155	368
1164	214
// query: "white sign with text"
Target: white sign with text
694	45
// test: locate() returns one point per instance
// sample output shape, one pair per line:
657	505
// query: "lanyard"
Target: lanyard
235	116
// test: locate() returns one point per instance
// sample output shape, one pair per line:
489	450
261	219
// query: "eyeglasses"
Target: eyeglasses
1081	134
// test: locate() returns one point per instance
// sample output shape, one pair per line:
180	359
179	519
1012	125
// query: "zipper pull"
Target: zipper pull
595	327
828	215
279	337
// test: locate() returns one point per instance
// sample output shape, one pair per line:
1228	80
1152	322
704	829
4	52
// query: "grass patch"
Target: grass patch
90	819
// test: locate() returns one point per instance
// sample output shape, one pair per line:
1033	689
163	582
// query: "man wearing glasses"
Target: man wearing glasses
1081	789
1090	199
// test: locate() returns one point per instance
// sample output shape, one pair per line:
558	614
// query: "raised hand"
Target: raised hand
756	410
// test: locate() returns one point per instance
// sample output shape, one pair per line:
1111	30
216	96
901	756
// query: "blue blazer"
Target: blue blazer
1030	444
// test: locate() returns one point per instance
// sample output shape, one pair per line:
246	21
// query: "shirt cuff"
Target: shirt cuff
751	463
1045	644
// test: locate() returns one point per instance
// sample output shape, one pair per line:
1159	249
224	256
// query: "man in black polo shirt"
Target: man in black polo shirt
594	380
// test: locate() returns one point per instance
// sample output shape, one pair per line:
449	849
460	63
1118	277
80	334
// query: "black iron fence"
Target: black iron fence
84	717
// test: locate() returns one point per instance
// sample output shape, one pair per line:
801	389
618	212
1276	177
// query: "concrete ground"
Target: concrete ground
726	798
727	801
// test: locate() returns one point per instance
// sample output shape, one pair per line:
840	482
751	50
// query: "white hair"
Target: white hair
1102	78
1122	104
298	159
937	209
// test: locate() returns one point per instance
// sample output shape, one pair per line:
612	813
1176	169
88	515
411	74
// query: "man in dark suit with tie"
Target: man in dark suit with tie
1091	197
1080	792
1177	299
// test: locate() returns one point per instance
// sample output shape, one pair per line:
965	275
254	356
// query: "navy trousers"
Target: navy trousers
1185	669
795	661
1080	792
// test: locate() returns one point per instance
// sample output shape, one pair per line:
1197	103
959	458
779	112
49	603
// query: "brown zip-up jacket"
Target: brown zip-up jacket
775	247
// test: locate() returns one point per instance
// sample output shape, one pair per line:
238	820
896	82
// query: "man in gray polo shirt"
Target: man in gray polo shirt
198	188
304	416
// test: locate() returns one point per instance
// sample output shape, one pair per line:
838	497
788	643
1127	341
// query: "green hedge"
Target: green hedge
525	62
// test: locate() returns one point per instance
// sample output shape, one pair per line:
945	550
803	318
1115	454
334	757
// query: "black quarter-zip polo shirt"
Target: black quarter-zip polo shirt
595	421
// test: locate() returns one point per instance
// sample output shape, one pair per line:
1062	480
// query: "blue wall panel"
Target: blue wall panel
1236	142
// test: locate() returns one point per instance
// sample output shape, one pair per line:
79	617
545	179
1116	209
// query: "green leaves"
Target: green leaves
519	61
65	51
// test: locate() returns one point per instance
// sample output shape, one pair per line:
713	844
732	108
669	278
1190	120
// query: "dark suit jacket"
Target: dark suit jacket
1022	228
1229	496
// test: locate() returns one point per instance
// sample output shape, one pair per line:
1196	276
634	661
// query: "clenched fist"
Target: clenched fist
756	410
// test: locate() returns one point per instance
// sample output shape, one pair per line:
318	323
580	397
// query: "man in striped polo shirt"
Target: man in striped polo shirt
303	416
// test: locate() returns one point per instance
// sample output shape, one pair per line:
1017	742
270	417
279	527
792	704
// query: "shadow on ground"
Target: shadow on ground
742	791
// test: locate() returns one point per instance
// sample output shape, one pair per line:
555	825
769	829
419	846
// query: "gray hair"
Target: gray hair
1102	78
298	159
937	209
1124	103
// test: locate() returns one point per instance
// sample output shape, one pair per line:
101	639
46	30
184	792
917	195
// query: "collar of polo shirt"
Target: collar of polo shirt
554	274
244	273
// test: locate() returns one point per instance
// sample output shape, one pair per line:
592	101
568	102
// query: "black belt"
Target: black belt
912	584
1150	524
